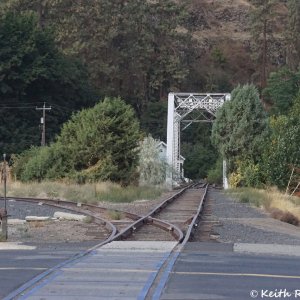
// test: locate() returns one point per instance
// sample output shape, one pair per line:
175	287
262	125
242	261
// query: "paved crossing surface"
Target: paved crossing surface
214	271
126	270
20	263
119	270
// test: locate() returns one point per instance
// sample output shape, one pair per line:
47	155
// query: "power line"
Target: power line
14	107
19	103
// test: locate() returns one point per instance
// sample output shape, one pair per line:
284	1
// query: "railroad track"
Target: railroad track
176	219
99	215
172	220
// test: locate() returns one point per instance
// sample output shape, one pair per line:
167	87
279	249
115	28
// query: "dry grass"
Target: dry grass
115	215
284	216
2	238
279	205
86	193
36	224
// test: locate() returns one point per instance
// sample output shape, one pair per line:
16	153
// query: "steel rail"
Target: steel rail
149	218
166	268
166	226
84	206
92	208
89	209
72	206
194	223
123	234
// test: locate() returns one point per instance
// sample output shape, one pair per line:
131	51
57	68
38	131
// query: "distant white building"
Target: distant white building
162	146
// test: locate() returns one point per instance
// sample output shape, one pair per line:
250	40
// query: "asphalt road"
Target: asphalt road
202	271
19	266
219	273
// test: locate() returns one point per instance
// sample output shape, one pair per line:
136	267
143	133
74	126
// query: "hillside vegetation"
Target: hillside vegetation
75	54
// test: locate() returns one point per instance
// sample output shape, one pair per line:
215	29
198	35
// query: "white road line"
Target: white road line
20	268
15	246
238	274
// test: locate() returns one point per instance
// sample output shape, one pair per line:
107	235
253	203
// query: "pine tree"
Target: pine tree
132	49
283	87
262	22
34	70
292	35
238	131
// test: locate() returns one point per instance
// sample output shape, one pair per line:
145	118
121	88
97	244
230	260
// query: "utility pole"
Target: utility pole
3	213
43	122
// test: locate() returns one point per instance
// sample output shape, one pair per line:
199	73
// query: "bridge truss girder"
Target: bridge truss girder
180	107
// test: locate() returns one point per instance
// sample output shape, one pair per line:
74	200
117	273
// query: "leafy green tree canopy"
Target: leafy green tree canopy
132	49
282	89
238	131
198	150
33	71
282	151
99	143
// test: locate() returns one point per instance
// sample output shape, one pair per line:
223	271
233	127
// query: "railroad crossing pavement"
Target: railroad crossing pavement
126	270
20	263
119	270
234	272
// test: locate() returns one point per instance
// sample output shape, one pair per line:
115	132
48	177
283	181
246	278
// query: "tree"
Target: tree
198	159
281	90
198	150
152	167
154	120
283	147
262	26
240	126
132	49
292	35
100	143
33	71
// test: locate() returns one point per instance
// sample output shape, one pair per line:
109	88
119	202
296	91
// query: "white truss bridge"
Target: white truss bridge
183	110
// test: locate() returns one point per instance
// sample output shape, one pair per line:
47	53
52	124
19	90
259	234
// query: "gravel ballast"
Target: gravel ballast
241	223
235	222
20	210
64	231
47	231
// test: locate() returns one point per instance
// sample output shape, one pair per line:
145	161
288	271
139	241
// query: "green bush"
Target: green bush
282	150
20	161
96	144
215	175
251	173
244	199
152	167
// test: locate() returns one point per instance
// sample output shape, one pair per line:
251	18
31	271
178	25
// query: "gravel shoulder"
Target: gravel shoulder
241	223
50	231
